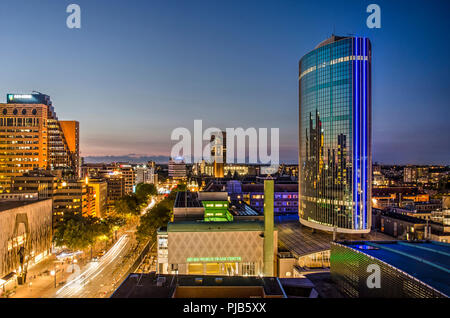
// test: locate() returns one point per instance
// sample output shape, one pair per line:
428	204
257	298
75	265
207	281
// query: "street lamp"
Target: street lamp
53	273
73	264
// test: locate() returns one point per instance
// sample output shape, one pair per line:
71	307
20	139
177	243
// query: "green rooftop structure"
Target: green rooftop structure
217	211
200	226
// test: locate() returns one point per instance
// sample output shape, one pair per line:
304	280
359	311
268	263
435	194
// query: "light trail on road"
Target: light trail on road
76	286
149	207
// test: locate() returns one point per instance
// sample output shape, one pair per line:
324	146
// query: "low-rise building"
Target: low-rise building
177	169
207	237
391	269
286	197
198	286
25	237
99	193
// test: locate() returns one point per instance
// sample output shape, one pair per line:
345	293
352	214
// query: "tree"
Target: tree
114	221
127	205
77	232
180	187
158	216
144	191
150	222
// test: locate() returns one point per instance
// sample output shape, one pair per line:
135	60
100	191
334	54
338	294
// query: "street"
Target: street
96	279
100	278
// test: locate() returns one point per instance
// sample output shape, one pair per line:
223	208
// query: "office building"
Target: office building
129	176
397	196
19	196
115	189
391	269
335	136
405	226
99	189
40	181
71	196
71	131
68	194
146	174
32	137
177	169
286	197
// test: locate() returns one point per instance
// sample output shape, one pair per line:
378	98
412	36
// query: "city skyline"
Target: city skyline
126	85
242	151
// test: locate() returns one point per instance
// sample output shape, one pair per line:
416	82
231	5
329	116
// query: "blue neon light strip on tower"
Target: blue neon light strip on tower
356	134
364	137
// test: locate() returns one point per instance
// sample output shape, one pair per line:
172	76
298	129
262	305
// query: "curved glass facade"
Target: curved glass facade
335	136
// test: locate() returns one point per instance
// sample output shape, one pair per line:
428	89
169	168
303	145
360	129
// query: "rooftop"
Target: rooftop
174	286
200	226
301	240
427	261
403	217
331	39
187	199
243	209
279	187
9	205
376	192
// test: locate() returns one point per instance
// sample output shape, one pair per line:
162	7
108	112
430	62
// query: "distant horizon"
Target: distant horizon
134	158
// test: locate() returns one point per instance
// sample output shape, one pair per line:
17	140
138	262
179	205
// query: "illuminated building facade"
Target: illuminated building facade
212	248
204	238
32	137
87	197
177	169
71	132
230	170
335	158
286	197
146	174
129	176
98	188
71	196
26	229
219	154
115	189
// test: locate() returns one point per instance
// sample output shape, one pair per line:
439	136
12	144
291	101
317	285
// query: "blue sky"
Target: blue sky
138	69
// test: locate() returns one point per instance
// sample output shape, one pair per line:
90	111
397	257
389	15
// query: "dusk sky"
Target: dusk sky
138	69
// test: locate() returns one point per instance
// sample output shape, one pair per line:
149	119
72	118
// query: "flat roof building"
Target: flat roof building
206	237
411	269
32	137
153	285
212	248
25	236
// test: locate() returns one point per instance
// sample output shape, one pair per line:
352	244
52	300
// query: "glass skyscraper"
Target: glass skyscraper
335	155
